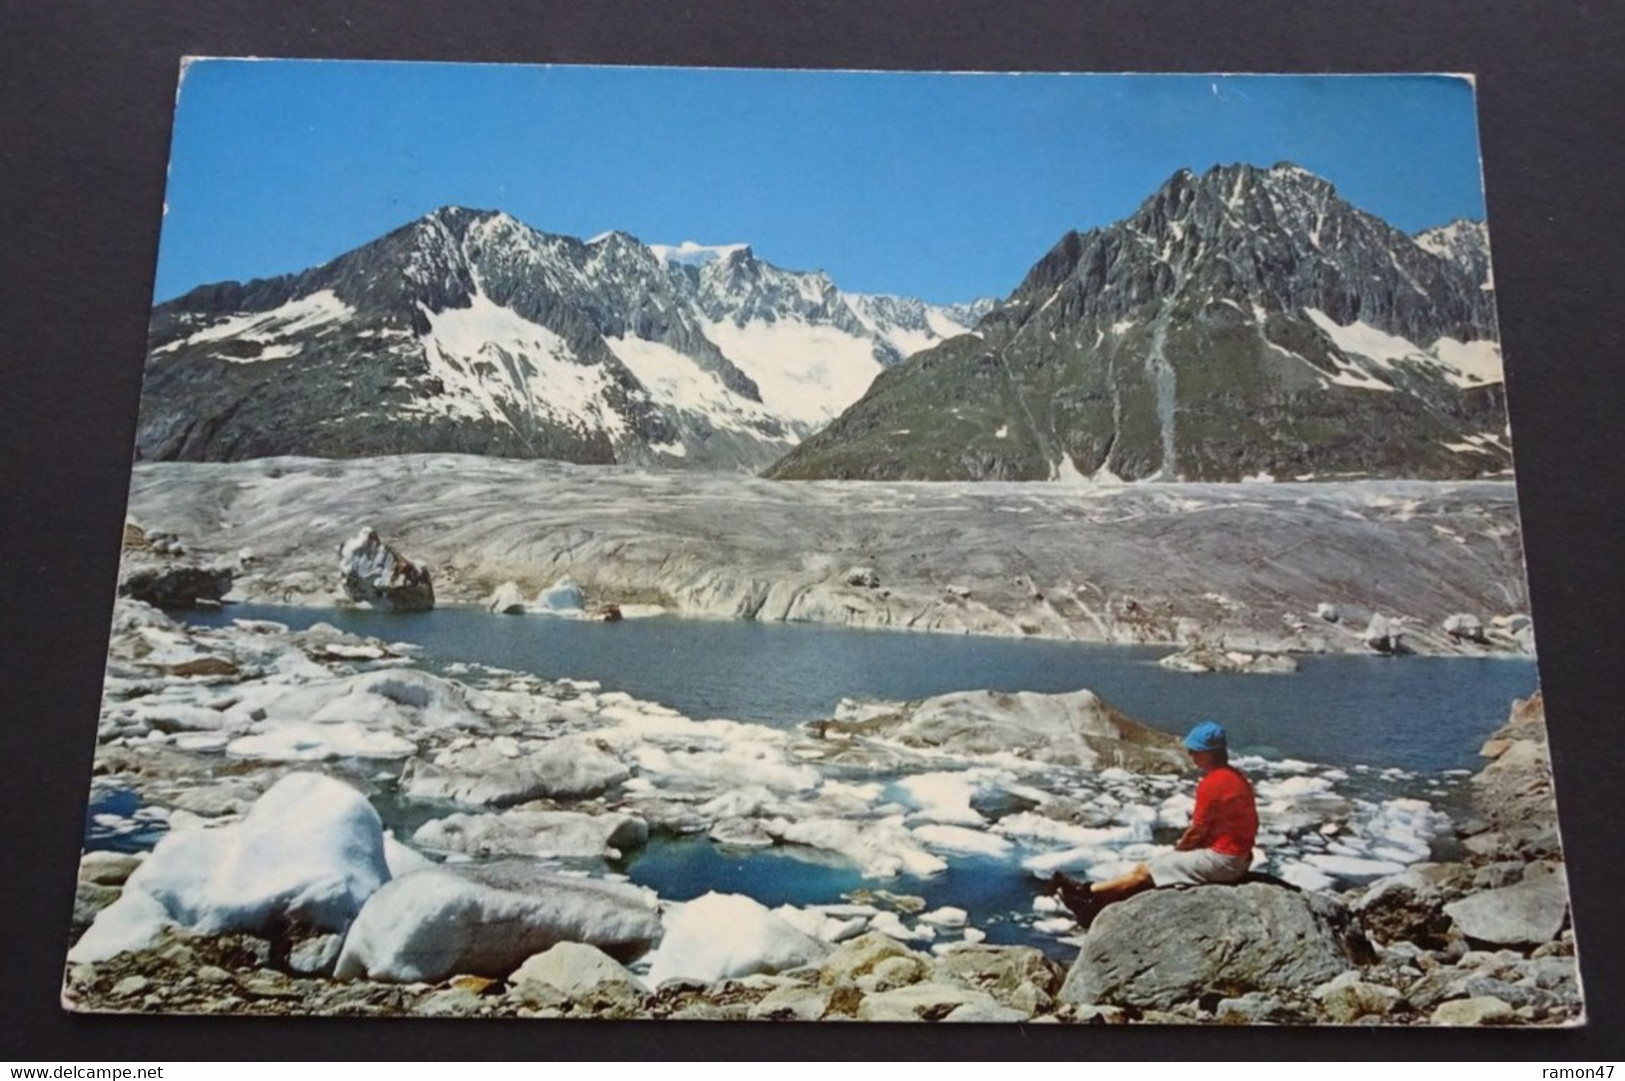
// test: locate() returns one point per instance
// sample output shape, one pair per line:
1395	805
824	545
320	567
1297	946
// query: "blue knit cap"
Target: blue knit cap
1207	736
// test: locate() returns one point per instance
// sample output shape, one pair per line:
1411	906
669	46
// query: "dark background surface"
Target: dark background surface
87	92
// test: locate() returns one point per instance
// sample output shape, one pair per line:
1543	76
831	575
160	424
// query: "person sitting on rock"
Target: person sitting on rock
1217	848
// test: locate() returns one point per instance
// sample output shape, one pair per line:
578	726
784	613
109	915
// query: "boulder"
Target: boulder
483	776
571	970
1465	628
563	597
176	585
309	852
1328	612
372	572
506	600
1075	729
1017	976
107	868
1200	659
1253	1008
567	834
1347	998
486	919
1483	1010
859	956
1173	945
1404	908
862	577
315	956
1383	635
1526	914
927	1002
721	935
793	1003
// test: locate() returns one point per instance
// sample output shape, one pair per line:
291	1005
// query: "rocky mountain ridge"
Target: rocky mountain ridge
1245	322
470	331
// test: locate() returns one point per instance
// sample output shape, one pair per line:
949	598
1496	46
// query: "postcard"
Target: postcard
811	545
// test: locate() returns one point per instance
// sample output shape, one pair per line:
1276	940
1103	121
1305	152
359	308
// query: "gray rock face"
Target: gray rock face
1526	914
176	585
1200	338
455	332
1164	947
1514	792
373	572
486	919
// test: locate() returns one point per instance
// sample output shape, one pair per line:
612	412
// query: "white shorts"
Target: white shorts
1198	867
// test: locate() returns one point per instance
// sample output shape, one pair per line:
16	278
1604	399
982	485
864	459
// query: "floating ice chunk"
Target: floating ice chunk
723	935
1058	925
1293	788
892	926
568	834
1139	819
943	797
1030	828
727	766
962	840
1047	903
842	798
562	598
747	802
821	925
1069	859
1403	829
975	934
309	742
202	742
1353	868
1304	877
310	850
1175	811
881	849
946	916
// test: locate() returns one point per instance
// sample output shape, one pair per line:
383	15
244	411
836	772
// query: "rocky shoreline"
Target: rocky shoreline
1246	569
258	754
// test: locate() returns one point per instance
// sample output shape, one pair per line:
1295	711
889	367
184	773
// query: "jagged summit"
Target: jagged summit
1280	237
469	330
1240	322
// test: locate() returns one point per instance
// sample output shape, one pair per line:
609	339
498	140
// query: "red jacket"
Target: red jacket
1226	818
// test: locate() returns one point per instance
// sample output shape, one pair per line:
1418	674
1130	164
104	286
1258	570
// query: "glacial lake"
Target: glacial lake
1422	714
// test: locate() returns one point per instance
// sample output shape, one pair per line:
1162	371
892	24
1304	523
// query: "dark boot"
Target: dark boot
1079	899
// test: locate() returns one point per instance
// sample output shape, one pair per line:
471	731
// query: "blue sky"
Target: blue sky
941	186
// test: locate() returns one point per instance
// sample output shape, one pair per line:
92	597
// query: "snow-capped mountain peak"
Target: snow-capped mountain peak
690	253
469	330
